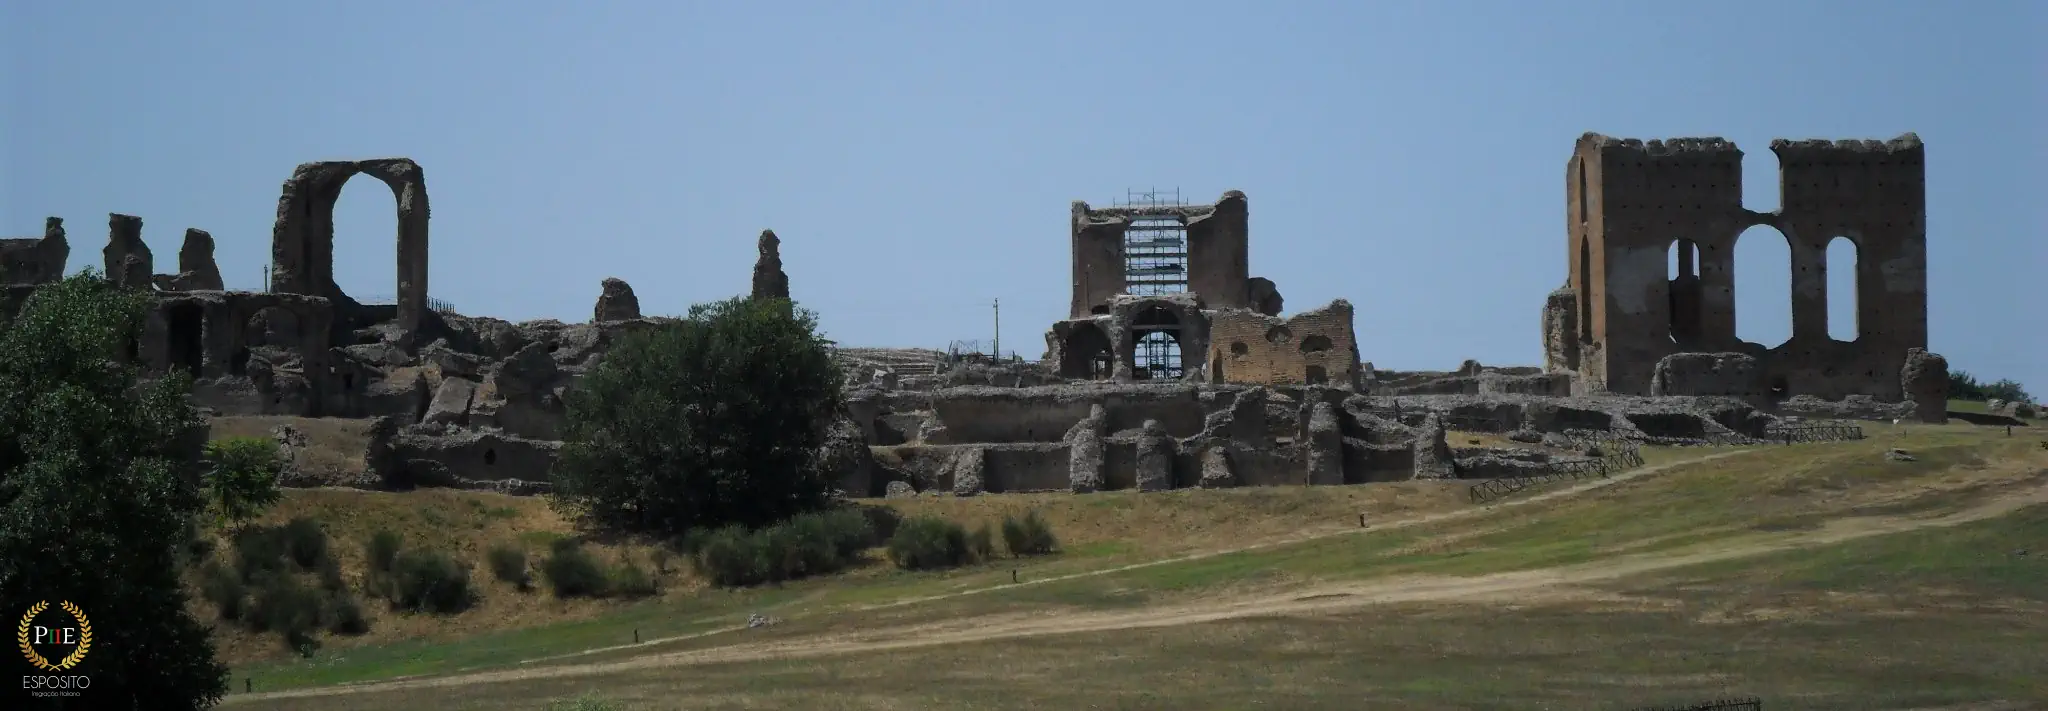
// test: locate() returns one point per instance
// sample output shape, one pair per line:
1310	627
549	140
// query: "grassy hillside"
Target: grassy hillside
1828	574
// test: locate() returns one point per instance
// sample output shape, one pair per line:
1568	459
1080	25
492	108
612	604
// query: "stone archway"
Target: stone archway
302	240
1085	353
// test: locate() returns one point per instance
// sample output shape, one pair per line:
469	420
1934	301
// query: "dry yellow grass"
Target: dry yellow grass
334	447
464	524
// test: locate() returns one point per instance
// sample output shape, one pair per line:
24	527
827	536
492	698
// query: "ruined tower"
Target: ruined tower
1630	203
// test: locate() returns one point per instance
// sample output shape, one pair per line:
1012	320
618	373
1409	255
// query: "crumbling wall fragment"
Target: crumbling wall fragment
617	302
969	469
769	281
1086	451
1265	296
1325	446
1737	375
197	270
35	261
1925	382
846	459
1155	457
1218	471
1432	452
128	261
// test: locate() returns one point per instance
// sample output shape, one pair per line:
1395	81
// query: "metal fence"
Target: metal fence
390	300
1749	704
1626	455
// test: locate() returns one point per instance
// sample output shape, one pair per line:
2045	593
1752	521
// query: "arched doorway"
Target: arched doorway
1085	353
1156	335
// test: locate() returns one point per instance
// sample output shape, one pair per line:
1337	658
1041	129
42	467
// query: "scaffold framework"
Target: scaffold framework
1155	245
1156	262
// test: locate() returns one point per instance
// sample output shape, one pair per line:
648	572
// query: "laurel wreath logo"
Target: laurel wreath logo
77	654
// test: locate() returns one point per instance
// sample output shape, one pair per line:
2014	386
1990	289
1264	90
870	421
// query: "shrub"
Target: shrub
572	572
305	542
732	557
708	421
882	522
242	478
508	563
925	542
284	606
382	550
660	557
805	545
1029	536
225	589
260	551
345	615
630	580
982	543
430	581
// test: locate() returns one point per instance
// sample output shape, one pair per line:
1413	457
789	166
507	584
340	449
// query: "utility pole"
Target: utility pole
998	347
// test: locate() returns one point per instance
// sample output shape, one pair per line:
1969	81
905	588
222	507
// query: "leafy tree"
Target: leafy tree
708	421
1963	386
243	479
98	486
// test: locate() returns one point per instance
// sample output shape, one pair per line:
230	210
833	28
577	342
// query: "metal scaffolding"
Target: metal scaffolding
1155	245
1156	262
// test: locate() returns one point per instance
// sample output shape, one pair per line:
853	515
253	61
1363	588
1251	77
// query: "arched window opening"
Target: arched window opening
1763	286
365	238
1683	292
1844	316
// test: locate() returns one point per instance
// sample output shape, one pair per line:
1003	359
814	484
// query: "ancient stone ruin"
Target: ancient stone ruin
1619	325
1174	367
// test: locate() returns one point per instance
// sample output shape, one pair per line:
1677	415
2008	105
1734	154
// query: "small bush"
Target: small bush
508	563
224	588
572	572
882	523
430	581
982	543
1029	536
242	479
284	606
382	550
660	557
805	545
345	615
630	580
923	543
260	551
305	542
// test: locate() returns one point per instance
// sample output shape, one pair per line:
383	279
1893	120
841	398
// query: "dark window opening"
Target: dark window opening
187	341
1315	343
1316	375
1098	310
490	457
348	381
239	364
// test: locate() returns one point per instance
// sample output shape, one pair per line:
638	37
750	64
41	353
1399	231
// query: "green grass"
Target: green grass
1978	559
1752	493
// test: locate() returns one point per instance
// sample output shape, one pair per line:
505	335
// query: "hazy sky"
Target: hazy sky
917	158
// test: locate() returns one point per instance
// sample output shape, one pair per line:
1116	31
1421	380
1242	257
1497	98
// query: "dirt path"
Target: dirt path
1519	586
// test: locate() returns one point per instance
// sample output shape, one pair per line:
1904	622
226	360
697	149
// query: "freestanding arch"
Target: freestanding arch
302	240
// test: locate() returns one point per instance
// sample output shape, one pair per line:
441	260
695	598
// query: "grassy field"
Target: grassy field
1819	576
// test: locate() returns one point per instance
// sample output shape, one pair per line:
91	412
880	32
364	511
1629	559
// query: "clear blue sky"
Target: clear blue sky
917	158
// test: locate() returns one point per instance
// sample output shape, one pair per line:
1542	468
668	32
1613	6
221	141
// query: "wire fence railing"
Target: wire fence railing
1749	704
1625	455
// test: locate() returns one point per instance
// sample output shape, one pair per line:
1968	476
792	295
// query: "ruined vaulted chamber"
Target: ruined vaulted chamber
1163	290
1630	203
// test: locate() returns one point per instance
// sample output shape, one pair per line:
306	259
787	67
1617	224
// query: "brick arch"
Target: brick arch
302	239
